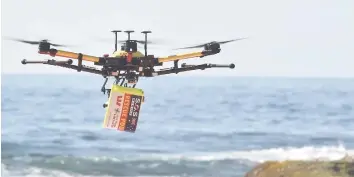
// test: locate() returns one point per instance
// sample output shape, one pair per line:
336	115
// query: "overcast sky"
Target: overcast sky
286	38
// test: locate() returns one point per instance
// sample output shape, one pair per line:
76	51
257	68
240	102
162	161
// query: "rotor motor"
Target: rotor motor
213	47
44	46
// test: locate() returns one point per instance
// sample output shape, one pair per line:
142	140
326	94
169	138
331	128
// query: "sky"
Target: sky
303	38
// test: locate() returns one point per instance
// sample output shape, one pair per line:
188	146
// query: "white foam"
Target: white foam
32	172
277	154
258	156
37	172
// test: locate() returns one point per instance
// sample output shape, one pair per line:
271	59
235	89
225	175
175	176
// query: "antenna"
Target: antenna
116	39
145	45
129	31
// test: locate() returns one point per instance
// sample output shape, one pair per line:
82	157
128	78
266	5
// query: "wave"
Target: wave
192	164
279	154
257	156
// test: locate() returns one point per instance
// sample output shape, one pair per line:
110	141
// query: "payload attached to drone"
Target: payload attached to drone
126	66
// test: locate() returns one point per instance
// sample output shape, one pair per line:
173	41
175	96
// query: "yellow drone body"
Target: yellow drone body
122	53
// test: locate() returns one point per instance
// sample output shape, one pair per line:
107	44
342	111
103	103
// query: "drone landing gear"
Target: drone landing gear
119	81
175	66
130	80
124	83
103	89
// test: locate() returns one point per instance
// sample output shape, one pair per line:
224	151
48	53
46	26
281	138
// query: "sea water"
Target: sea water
188	125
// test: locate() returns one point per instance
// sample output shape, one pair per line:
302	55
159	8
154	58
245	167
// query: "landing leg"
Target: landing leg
121	82
118	81
175	66
103	89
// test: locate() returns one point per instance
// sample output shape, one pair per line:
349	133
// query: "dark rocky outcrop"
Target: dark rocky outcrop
317	168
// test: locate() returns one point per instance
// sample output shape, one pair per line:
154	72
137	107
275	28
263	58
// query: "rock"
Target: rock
340	168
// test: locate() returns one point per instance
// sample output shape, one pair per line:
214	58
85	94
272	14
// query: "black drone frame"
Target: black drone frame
123	68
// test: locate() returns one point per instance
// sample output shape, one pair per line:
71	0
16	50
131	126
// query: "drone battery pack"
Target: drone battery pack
123	108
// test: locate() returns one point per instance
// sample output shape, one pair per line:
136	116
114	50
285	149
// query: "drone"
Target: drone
126	66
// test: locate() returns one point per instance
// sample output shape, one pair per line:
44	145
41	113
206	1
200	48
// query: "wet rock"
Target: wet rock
316	168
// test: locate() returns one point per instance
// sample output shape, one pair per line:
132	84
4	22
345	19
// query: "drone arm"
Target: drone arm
66	64
180	57
82	68
188	55
186	67
76	56
49	62
66	54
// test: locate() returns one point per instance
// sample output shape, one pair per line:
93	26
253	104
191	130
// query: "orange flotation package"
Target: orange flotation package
122	112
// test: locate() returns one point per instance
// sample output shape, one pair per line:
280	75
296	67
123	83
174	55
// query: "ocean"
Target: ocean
188	125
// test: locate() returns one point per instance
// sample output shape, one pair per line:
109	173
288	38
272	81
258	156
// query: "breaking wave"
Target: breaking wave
164	164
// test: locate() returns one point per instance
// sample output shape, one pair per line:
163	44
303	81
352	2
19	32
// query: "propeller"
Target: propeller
202	45
36	42
138	41
154	41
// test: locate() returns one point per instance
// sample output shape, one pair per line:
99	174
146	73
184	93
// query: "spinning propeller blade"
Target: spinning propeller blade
153	41
139	41
36	42
202	45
